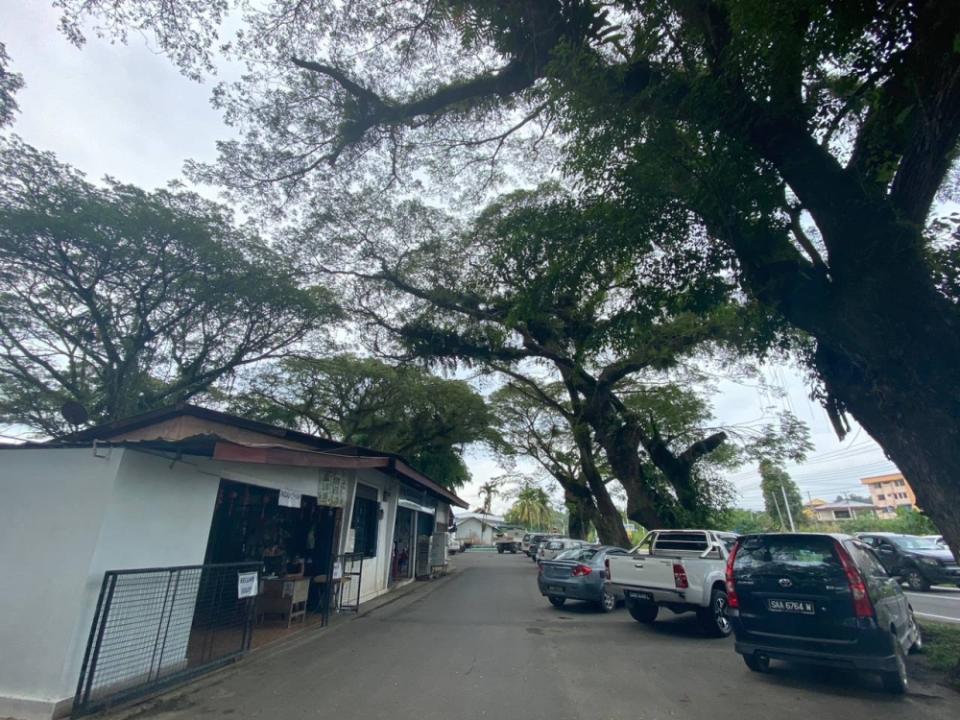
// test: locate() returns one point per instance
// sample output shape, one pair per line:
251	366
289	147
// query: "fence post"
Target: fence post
101	628
166	630
160	625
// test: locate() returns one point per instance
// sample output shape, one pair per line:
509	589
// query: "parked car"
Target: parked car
577	574
681	570
551	547
917	561
525	543
453	544
534	545
820	599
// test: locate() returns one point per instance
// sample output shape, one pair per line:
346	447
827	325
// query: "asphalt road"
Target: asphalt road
484	645
939	604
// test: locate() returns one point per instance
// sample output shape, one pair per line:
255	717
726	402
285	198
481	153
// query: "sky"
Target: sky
125	111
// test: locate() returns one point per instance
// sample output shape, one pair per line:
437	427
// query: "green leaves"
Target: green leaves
125	300
402	409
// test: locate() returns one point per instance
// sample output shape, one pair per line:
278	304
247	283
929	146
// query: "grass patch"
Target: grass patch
941	647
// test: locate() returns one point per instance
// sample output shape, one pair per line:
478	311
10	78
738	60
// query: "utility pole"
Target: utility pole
787	504
779	514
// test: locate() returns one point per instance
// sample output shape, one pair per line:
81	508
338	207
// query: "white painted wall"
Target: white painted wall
52	504
469	531
67	516
158	515
376	570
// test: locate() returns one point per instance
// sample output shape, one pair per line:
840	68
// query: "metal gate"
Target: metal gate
157	627
351	565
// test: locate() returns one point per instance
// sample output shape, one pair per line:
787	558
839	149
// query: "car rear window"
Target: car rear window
813	553
694	542
554	545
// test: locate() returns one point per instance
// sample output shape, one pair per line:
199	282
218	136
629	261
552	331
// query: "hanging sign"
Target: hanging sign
289	498
332	489
247	584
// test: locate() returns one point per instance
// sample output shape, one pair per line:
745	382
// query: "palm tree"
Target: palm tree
532	508
487	491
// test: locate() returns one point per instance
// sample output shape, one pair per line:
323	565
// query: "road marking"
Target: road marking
933	597
930	616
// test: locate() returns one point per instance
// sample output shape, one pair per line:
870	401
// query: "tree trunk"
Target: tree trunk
917	424
579	515
608	522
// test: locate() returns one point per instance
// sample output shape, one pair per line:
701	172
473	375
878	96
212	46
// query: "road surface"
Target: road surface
483	645
939	604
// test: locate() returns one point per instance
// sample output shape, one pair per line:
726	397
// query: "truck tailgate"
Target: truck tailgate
643	571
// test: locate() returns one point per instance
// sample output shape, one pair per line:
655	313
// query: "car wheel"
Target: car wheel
757	662
713	619
896	681
916	581
513	551
917	645
557	601
608	602
643	612
500	549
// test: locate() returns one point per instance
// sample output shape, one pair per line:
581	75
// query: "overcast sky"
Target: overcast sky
125	111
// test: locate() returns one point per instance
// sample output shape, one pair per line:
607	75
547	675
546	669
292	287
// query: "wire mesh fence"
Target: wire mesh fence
155	627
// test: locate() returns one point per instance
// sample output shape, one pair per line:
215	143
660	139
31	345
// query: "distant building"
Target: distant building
839	511
476	528
889	492
809	509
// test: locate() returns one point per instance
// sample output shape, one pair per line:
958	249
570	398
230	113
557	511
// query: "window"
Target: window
691	542
865	559
881	497
797	552
366	521
900	483
841	514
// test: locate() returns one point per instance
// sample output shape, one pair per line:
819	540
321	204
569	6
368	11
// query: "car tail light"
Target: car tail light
732	600
581	570
862	606
680	576
606	568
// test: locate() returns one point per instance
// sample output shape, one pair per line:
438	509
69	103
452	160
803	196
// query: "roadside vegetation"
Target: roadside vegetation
941	650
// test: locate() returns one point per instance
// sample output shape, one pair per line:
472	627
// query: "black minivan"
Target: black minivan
821	599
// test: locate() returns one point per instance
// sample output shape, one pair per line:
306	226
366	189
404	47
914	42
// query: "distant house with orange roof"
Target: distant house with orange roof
890	492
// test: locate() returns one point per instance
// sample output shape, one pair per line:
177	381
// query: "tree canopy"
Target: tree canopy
401	409
809	140
125	300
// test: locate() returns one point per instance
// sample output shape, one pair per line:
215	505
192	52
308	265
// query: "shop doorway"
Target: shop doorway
401	565
424	536
294	545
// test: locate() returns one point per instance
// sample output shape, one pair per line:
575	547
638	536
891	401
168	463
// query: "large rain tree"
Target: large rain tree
406	410
811	137
123	300
542	280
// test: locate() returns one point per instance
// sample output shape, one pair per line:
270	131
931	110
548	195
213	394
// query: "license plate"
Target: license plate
555	588
802	607
644	596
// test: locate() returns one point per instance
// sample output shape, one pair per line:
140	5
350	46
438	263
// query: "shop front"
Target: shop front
292	535
413	534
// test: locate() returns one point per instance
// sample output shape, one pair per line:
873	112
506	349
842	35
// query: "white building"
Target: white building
839	511
177	487
476	528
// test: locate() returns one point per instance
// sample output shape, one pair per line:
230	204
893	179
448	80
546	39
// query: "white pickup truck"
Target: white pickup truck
682	570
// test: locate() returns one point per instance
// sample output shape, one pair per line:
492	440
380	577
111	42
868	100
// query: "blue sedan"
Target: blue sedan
577	574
